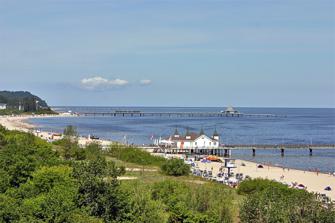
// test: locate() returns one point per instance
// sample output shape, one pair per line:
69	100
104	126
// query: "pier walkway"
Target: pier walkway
226	150
278	146
175	114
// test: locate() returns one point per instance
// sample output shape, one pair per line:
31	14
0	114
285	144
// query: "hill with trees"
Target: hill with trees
23	101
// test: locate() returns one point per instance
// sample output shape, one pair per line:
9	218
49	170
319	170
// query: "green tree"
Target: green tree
69	144
274	202
49	195
70	131
99	195
93	151
144	208
175	167
22	155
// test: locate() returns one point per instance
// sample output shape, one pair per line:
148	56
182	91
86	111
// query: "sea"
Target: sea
289	126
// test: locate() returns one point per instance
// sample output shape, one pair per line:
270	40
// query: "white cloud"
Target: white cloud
101	83
145	82
118	82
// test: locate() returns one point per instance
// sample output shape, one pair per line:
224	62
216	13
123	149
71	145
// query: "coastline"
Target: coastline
314	181
19	123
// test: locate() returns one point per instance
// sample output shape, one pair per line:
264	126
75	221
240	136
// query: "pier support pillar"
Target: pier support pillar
226	153
310	151
282	151
253	152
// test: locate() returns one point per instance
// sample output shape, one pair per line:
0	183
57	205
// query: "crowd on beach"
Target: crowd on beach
320	183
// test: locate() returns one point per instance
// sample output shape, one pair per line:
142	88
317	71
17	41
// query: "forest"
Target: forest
18	102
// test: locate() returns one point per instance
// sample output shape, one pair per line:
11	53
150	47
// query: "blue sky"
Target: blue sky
171	52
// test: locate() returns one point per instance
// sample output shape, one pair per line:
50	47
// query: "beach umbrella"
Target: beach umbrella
214	158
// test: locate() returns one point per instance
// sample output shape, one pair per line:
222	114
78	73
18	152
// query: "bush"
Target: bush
175	167
134	155
195	203
256	185
269	201
23	154
144	207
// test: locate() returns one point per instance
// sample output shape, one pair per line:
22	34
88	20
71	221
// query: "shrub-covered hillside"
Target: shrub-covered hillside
22	100
62	182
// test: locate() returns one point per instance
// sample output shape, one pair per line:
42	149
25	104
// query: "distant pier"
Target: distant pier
228	112
175	114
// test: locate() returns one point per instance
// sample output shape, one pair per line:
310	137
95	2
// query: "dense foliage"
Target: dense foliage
134	155
257	185
36	185
171	201
269	201
61	182
175	167
195	203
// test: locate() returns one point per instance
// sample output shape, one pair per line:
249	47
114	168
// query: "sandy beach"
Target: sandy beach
20	123
16	123
315	182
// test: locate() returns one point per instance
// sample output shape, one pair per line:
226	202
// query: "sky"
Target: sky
170	52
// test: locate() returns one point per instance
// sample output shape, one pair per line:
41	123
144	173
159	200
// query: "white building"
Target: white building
3	106
192	141
231	111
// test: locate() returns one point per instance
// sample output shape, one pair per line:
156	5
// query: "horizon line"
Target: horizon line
164	106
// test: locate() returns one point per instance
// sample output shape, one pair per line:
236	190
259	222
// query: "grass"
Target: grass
134	155
133	158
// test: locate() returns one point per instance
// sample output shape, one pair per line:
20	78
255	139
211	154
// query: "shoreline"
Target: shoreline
314	181
19	123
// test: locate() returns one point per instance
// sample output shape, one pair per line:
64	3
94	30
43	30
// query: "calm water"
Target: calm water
299	126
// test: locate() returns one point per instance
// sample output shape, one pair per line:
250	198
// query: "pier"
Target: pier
175	114
281	148
227	150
